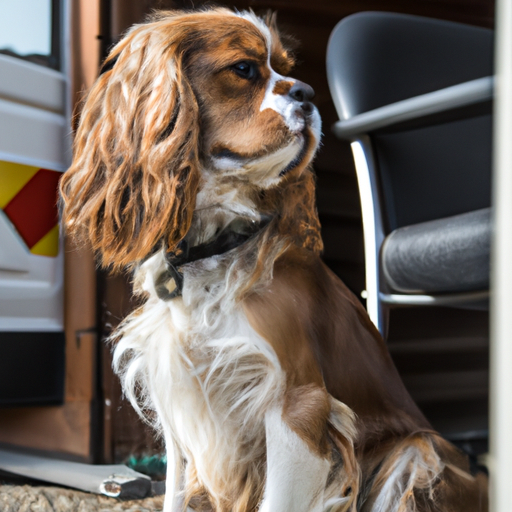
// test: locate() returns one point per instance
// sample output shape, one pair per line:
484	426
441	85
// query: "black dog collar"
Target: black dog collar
169	283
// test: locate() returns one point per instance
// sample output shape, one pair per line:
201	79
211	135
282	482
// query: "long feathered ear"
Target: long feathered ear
134	177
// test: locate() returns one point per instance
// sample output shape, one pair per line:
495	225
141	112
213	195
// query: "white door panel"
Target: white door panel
28	83
35	147
33	136
31	285
34	131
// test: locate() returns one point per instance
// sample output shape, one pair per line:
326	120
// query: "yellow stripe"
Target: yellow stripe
13	177
49	244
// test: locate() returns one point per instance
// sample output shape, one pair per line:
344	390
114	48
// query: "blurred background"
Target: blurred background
58	394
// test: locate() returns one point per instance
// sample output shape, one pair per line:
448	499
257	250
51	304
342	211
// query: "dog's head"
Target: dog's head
184	96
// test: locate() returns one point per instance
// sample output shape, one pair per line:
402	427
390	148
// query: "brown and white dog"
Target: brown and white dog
271	387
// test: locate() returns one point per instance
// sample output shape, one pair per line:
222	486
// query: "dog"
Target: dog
270	385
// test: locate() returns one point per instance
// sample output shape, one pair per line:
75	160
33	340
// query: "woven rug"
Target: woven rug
27	498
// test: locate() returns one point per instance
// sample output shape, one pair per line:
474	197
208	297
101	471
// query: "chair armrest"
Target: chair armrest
449	255
455	97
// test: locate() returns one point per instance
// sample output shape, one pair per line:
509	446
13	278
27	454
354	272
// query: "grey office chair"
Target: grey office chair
414	98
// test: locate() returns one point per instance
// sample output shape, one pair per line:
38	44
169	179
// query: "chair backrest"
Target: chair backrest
442	168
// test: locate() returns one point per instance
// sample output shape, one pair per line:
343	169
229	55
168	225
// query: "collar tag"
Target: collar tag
169	283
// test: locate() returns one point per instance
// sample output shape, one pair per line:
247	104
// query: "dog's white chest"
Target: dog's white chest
227	379
210	385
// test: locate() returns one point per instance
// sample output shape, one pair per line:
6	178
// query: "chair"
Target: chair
414	98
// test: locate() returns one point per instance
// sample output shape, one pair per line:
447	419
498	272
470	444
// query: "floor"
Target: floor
27	498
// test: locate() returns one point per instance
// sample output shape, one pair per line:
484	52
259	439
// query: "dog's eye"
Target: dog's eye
245	69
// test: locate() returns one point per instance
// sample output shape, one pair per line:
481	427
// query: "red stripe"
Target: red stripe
33	210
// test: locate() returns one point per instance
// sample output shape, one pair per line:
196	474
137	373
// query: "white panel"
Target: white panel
31	84
501	272
34	130
13	255
33	300
31	134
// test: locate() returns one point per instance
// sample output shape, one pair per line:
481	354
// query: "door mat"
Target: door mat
27	498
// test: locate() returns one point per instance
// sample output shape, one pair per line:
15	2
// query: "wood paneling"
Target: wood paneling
65	430
124	433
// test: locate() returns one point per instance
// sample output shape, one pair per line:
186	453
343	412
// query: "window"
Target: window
29	29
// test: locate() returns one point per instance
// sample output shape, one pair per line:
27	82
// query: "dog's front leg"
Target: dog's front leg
173	500
296	476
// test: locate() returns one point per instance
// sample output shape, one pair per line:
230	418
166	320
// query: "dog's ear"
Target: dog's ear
133	181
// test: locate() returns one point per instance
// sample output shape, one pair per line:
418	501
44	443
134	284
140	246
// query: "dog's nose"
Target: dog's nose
304	93
301	92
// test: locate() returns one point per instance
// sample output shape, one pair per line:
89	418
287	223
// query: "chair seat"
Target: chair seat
440	256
